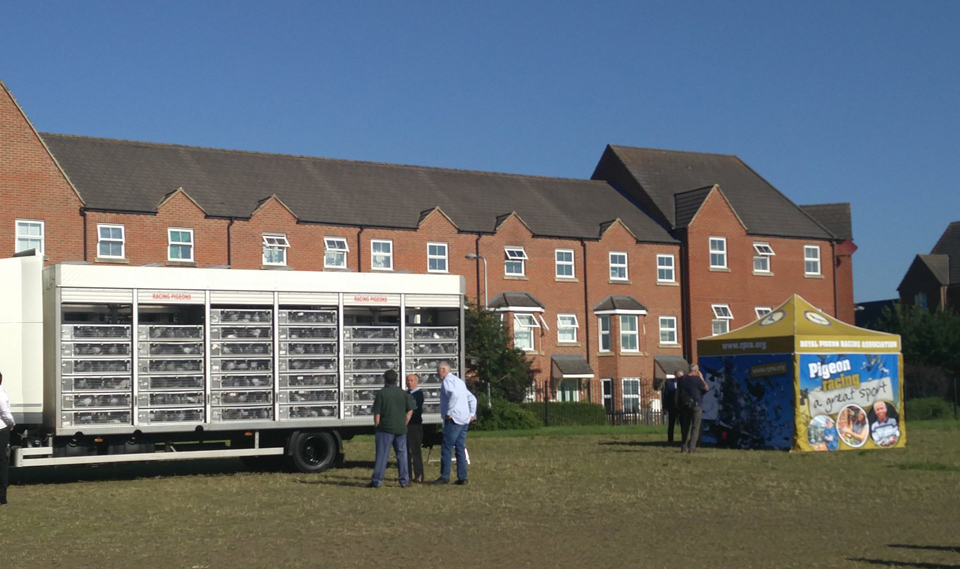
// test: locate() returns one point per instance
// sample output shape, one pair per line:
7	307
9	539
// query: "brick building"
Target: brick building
605	283
933	281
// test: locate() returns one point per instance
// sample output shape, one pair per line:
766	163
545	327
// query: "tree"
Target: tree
491	358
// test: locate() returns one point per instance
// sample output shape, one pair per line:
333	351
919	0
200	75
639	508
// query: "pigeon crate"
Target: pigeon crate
86	331
308	348
166	416
417	364
447	349
229	316
371	333
165	365
372	364
241	332
170	382
289	380
100	418
97	400
169	332
95	349
371	348
170	349
426	377
233	381
363	379
241	348
242	414
327	317
431	408
241	364
308	333
431	394
71	367
153	400
288	363
307	411
358	410
308	396
438	333
69	384
223	398
360	395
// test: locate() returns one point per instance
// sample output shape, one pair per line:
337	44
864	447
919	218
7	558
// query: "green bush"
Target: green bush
504	416
570	414
928	408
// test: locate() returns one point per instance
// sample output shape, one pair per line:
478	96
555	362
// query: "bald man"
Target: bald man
415	429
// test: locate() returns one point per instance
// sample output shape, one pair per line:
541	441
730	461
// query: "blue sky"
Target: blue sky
829	101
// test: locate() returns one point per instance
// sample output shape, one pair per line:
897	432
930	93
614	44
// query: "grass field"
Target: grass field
598	497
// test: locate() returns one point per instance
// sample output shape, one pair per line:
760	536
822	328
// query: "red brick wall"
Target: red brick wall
738	286
33	187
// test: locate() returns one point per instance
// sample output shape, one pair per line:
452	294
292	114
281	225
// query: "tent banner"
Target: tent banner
750	403
849	401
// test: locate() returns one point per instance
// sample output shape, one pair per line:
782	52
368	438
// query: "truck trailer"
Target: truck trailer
108	364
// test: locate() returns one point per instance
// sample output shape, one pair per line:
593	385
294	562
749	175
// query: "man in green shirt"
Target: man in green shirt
392	410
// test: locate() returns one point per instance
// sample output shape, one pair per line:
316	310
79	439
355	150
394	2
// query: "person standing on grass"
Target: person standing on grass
7	426
392	409
669	404
690	390
458	407
415	429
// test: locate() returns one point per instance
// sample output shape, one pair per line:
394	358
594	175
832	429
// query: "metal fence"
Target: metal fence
643	417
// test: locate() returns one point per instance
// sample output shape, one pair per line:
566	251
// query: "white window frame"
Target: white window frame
567	323
275	242
111	240
808	259
28	238
625	265
170	244
606	390
762	311
564	264
386	256
604	334
761	261
632	396
722	315
720	251
666	273
527	322
563	388
438	258
514	257
668	326
336	252
626	334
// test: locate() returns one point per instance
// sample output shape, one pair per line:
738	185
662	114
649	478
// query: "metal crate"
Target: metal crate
308	333
220	398
170	382
307	348
232	381
308	317
232	315
433	333
97	400
372	364
307	411
240	365
95	349
100	418
241	333
448	349
242	414
86	383
289	380
304	396
426	377
88	331
358	410
180	365
171	349
362	333
155	416
161	332
308	364
363	379
190	399
71	367
358	395
428	363
431	408
371	348
232	349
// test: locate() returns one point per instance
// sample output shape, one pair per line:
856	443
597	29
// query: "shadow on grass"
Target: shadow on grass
932	547
328	482
130	471
663	444
904	563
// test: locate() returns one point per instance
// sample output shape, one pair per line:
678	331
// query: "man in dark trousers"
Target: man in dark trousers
392	409
669	404
415	429
6	425
690	390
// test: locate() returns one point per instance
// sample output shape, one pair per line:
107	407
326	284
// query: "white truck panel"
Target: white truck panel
21	330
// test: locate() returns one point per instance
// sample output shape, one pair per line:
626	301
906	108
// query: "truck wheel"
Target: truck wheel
312	453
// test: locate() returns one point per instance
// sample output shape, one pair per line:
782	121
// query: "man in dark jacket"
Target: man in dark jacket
669	404
415	429
392	410
690	390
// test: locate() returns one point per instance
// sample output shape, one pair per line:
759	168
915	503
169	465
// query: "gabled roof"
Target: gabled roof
566	366
662	174
619	303
687	204
949	245
833	216
524	301
121	175
939	265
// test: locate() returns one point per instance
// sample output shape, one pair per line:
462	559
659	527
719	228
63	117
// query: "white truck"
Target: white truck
107	364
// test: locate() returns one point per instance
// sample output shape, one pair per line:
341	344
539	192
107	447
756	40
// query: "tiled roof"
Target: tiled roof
669	365
515	300
128	176
949	244
763	209
687	204
618	302
834	216
571	365
939	265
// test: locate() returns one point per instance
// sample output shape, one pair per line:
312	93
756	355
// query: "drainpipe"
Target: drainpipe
586	300
229	251
360	250
686	317
833	253
83	214
476	251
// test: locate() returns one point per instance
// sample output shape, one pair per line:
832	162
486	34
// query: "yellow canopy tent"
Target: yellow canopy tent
800	379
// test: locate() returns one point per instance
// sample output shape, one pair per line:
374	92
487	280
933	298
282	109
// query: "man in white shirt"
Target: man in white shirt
7	425
458	407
